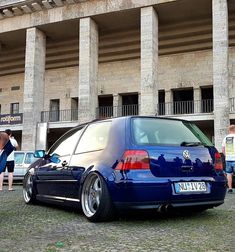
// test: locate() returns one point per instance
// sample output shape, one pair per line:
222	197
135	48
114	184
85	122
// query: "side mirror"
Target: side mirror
55	159
39	154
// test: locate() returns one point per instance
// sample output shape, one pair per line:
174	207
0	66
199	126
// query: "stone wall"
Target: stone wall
184	70
61	83
175	71
7	95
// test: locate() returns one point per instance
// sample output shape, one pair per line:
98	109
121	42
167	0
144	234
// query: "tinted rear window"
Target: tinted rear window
151	131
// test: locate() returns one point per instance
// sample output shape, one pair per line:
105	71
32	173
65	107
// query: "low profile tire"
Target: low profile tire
29	193
95	199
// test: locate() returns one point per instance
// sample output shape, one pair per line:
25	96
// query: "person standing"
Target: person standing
5	149
10	165
228	149
4	138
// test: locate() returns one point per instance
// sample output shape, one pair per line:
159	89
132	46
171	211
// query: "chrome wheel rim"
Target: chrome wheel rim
28	189
91	195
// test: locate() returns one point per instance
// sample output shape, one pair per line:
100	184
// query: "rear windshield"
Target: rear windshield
153	131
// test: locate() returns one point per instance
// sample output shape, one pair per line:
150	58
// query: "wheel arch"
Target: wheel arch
100	171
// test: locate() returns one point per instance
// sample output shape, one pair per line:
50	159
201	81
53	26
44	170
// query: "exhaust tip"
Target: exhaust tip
165	208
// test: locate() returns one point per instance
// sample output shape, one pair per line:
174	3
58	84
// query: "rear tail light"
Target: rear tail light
218	161
134	160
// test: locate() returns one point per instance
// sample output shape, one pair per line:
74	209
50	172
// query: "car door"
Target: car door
56	179
19	162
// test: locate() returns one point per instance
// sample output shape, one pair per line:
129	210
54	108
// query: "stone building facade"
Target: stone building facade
65	62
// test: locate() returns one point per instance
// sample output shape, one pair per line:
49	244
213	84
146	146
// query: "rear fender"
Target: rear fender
86	173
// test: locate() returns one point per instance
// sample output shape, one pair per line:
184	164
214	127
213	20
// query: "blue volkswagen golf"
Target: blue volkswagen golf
129	163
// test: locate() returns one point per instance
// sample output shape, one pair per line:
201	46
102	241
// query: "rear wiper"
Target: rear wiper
191	144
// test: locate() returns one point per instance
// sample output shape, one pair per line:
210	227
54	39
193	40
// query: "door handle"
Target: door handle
64	163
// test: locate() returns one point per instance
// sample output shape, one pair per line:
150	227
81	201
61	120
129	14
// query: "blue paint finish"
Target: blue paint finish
137	188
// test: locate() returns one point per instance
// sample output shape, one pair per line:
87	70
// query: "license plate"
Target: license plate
188	187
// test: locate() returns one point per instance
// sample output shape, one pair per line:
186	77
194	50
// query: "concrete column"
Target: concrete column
168	102
33	85
88	70
41	138
117	103
149	60
197	100
220	70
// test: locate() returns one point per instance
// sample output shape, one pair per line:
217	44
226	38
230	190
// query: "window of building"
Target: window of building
105	109
207	99
14	88
183	101
54	110
129	104
161	102
14	108
74	108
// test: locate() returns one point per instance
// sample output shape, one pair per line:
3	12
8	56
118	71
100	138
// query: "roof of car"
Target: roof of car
23	151
126	118
133	116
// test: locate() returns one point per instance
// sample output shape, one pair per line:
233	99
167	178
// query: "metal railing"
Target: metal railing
59	115
117	111
232	104
186	107
207	106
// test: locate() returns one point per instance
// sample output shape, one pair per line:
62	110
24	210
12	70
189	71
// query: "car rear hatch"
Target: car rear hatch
175	148
181	161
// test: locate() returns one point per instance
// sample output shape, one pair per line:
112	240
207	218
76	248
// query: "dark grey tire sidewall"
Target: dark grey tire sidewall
105	201
30	198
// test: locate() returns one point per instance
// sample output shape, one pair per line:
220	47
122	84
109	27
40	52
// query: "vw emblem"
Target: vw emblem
186	154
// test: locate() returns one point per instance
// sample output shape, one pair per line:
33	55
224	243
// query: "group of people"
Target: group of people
7	146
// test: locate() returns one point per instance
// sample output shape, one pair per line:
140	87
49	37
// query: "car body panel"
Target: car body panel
148	188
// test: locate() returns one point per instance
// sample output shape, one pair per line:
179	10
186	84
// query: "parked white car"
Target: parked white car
23	159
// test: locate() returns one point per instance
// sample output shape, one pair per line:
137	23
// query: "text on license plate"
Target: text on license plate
182	187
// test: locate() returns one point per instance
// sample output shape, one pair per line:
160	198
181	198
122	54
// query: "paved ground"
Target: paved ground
45	228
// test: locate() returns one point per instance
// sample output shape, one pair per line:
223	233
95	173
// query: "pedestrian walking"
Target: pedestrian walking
228	149
10	164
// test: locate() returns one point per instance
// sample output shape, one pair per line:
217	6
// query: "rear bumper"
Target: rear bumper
151	194
15	177
156	205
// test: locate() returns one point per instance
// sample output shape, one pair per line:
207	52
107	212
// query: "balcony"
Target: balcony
117	111
186	107
170	108
67	115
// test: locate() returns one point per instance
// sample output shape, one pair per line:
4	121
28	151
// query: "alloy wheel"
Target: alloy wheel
28	189
91	195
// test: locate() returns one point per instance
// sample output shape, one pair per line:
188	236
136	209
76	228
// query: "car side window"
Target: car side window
29	159
94	138
19	158
66	144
